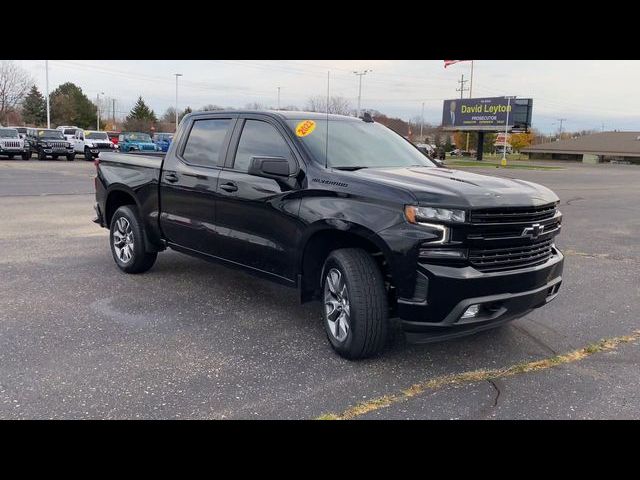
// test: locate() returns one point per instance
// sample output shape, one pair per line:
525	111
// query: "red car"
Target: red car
113	136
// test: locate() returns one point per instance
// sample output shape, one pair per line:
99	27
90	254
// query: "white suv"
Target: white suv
68	131
91	143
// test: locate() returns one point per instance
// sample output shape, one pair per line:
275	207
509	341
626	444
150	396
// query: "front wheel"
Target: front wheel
26	156
10	157
41	155
71	157
87	155
355	304
127	242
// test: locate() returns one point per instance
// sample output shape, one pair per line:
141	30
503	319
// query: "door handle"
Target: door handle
171	177
229	187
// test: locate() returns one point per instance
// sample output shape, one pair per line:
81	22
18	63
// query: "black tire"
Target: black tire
42	155
10	156
141	260
26	156
55	157
367	303
87	155
71	158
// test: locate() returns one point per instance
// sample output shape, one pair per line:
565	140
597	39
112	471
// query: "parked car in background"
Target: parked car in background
11	144
49	143
113	136
69	131
162	140
136	141
91	143
22	131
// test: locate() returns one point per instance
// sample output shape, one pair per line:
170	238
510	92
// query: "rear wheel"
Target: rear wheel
355	304
127	242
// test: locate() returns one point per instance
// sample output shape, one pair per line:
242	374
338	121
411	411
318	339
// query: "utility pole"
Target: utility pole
360	74
422	122
177	75
462	81
561	120
278	98
46	68
98	107
113	111
506	133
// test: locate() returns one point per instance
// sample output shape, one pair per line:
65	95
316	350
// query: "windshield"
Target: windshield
97	136
69	131
54	134
357	144
138	137
8	133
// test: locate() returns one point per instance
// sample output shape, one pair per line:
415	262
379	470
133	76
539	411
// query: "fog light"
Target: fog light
471	312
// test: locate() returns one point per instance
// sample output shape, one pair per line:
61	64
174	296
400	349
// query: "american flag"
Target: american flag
451	62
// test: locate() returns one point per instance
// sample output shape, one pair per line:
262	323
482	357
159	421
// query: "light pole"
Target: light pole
177	75
360	74
506	130
46	68
98	106
421	122
278	98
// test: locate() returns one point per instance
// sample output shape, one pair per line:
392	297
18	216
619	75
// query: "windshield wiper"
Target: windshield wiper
348	168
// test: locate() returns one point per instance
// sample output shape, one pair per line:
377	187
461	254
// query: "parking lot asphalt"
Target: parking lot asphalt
190	339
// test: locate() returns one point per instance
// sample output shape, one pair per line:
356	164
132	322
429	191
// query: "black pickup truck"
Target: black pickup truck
357	218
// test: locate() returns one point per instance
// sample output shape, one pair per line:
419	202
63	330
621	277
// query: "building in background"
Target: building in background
595	148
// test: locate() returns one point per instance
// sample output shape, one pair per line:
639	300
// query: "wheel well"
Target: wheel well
115	200
318	248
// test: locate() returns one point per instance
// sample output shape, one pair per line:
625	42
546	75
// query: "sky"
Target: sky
590	95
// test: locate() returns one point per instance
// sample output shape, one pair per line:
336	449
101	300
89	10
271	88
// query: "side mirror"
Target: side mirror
269	167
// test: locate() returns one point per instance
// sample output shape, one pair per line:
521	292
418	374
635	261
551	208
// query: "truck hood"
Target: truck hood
442	186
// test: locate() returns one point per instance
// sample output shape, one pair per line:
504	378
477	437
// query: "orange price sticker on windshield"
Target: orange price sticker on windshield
305	127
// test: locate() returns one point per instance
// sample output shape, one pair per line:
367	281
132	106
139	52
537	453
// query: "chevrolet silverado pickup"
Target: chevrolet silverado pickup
346	211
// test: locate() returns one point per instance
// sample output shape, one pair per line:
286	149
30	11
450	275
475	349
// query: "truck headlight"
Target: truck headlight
419	215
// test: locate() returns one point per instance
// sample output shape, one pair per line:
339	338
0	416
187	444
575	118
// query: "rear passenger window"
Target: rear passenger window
205	141
259	139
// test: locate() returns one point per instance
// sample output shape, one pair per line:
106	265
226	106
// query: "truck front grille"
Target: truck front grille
514	214
496	259
10	144
58	144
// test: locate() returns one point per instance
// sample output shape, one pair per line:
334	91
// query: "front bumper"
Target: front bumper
501	296
13	151
58	151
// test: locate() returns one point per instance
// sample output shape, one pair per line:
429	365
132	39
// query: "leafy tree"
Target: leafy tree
184	112
14	85
447	144
34	107
70	106
519	141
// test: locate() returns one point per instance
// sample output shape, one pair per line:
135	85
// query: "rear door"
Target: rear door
257	218
189	182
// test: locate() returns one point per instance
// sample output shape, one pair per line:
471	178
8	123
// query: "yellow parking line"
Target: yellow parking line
481	375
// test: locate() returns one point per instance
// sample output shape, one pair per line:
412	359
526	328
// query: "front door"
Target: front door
189	183
257	218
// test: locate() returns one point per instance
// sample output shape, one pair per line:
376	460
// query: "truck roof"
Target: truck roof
283	114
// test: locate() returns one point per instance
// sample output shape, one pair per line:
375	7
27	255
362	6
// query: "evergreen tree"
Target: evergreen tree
141	111
69	106
34	107
186	110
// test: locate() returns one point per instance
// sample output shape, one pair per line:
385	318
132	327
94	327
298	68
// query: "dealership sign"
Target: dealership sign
489	114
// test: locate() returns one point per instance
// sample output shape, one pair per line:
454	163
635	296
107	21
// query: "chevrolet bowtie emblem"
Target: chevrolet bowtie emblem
534	231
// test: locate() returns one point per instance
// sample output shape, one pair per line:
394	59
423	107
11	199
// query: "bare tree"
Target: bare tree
211	108
337	105
255	106
15	83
